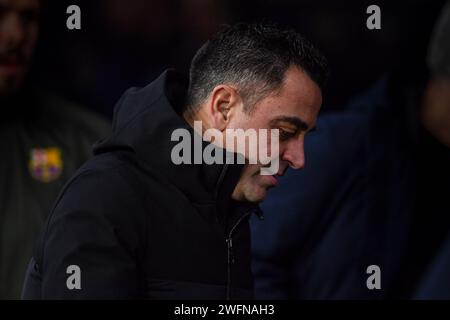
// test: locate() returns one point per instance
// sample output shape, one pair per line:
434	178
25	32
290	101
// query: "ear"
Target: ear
224	104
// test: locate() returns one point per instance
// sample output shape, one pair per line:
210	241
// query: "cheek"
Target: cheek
252	170
254	120
249	175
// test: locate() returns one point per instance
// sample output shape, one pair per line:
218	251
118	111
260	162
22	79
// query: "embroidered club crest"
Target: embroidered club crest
46	164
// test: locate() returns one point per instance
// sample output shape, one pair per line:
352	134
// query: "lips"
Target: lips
273	180
12	63
11	67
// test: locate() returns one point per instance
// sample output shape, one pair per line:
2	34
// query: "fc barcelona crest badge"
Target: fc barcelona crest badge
46	164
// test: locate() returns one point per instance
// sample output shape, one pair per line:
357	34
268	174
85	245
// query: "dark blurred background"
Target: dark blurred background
128	43
125	43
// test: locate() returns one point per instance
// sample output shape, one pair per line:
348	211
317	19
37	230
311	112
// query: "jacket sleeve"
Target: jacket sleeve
91	244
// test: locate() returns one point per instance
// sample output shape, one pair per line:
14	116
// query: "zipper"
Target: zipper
230	257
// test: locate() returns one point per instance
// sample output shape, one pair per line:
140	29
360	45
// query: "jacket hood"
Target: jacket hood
143	122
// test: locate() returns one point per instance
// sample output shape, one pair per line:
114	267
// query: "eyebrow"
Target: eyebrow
297	122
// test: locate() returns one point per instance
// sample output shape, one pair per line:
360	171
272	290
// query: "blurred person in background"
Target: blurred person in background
374	191
43	140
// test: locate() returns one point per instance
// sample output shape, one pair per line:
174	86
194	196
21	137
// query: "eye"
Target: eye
286	134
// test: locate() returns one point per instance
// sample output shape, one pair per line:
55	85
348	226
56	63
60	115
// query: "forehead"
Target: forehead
20	4
298	96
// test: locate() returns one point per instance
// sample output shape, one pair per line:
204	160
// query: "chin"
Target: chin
256	195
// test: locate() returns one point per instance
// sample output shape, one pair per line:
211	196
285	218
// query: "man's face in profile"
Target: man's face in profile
19	27
292	110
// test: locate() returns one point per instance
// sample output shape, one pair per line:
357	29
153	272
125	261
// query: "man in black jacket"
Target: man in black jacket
134	224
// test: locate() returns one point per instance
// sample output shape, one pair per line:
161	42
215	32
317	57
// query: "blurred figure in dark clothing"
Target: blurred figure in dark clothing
429	250
375	193
43	140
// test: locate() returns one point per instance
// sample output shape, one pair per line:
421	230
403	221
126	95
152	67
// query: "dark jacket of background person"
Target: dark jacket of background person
373	192
138	225
44	140
435	284
314	241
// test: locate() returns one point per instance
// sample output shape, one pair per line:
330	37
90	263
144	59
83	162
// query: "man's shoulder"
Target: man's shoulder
104	188
117	176
112	172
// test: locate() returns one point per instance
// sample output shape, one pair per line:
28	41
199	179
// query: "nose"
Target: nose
294	153
12	30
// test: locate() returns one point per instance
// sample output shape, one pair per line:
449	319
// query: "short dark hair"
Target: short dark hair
254	57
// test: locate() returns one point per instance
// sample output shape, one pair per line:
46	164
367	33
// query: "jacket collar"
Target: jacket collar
144	120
